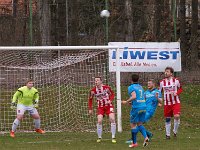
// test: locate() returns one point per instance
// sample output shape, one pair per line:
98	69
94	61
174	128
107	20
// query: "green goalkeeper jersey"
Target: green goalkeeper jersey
26	96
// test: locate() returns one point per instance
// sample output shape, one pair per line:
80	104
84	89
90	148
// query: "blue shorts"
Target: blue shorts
148	116
137	115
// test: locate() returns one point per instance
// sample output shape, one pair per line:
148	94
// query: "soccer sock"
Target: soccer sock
148	133
99	130
15	124
176	125
113	129
37	123
142	130
168	127
134	132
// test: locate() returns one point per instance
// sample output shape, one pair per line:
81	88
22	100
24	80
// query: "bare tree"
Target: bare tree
183	39
44	18
157	19
194	35
74	22
129	20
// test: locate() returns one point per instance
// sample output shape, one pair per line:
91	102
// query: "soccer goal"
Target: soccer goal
63	75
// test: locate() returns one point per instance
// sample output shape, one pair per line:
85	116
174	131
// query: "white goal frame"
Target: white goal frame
118	84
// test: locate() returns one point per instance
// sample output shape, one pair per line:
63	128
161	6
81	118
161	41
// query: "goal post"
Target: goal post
63	75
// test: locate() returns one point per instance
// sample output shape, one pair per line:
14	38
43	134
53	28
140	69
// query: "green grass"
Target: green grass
188	136
187	139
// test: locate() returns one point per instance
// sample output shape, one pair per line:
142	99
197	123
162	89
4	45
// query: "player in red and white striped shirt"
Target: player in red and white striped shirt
171	88
104	97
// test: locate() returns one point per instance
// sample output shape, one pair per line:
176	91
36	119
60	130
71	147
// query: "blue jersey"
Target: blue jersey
140	100
151	100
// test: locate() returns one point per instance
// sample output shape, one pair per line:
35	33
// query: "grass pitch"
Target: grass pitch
188	136
186	140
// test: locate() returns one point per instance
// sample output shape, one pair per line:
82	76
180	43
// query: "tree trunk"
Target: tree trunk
74	22
194	35
157	20
129	20
44	18
183	33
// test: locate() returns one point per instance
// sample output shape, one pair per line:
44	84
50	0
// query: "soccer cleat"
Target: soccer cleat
114	140
146	142
175	135
98	140
129	141
133	145
150	136
167	137
12	134
40	131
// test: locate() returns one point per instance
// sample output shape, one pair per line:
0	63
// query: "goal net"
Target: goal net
63	77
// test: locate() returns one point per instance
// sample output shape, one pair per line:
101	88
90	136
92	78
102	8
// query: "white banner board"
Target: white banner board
145	56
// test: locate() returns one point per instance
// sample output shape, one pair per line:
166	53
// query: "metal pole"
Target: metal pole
67	23
30	22
174	23
119	110
59	90
106	24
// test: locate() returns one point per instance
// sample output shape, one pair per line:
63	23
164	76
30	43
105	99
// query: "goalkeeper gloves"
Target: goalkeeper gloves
36	104
13	105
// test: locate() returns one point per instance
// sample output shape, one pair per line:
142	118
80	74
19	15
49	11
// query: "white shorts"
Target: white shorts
22	108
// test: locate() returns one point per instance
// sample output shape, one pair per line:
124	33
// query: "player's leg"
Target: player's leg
20	114
35	115
134	128
113	126
168	113
99	127
176	111
141	128
148	116
134	131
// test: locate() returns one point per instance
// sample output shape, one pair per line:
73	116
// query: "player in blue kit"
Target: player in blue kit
138	111
153	98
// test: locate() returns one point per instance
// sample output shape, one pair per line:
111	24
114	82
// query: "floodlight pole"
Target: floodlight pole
106	23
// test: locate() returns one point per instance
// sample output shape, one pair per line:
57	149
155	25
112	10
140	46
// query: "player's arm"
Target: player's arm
131	98
159	97
90	100
36	99
111	94
15	98
180	90
16	95
161	87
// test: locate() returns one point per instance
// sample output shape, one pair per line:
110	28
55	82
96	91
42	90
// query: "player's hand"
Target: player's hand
36	105
124	102
159	105
157	95
13	106
90	112
174	93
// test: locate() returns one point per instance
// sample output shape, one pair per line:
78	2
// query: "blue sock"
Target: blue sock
134	135
142	130
148	133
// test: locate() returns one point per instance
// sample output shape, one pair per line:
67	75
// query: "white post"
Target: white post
59	93
119	110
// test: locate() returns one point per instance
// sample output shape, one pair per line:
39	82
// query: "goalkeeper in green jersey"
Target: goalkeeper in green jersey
26	99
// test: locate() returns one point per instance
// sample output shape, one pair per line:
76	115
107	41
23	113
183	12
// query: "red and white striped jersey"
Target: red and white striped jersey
169	87
104	96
